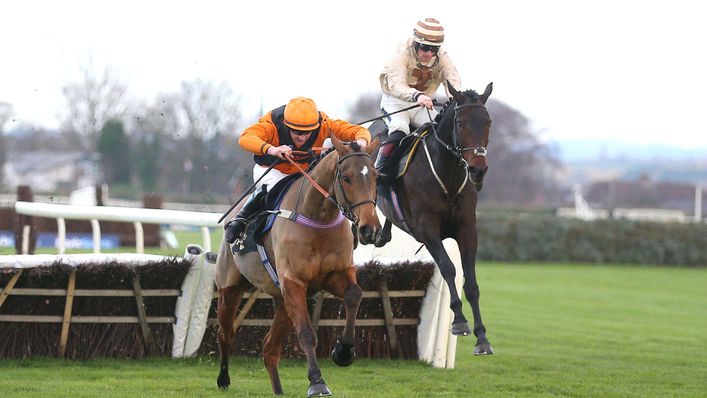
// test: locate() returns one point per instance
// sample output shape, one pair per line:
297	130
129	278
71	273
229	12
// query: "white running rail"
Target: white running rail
137	216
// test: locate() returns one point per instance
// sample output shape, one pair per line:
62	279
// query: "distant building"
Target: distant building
643	193
49	171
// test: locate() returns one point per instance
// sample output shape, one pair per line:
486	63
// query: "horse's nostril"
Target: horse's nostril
366	233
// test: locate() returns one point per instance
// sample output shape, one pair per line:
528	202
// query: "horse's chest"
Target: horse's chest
307	265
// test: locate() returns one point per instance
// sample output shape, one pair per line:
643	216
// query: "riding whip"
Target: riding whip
250	189
434	101
246	192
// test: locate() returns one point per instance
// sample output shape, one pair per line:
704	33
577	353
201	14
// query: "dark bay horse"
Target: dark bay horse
436	198
312	253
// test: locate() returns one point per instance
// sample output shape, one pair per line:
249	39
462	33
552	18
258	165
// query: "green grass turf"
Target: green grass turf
558	331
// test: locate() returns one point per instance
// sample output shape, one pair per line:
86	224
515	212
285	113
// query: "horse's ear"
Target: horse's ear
338	145
455	94
487	92
373	146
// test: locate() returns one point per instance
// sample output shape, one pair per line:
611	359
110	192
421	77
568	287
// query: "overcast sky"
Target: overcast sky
629	70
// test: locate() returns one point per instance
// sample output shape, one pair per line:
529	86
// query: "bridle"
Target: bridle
478	151
457	150
347	209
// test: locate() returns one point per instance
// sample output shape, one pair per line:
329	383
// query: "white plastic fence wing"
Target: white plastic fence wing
183	307
201	303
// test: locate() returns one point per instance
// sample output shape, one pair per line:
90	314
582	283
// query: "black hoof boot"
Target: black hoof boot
343	354
460	328
234	230
318	388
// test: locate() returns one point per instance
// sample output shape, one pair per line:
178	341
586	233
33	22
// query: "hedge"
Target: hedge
548	238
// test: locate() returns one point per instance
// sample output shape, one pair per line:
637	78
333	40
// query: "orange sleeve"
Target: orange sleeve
344	130
260	136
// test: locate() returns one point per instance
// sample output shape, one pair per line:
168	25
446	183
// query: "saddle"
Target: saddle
403	154
263	220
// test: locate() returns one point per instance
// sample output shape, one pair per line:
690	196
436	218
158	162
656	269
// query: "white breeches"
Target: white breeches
403	121
270	179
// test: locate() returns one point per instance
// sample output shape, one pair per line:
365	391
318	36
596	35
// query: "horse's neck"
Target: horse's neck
445	163
445	132
314	205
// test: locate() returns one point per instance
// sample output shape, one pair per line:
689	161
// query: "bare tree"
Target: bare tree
203	121
521	167
95	98
205	109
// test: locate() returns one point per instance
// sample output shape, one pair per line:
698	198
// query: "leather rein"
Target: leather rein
347	209
457	150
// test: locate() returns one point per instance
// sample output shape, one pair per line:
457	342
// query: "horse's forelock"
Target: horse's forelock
471	94
355	146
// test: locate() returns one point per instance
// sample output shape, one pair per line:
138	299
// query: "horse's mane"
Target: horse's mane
317	159
473	95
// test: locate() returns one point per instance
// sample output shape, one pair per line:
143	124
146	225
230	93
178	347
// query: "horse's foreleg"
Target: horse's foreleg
295	295
460	326
272	347
343	285
471	290
228	300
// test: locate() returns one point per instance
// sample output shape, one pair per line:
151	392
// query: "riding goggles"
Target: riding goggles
427	47
301	132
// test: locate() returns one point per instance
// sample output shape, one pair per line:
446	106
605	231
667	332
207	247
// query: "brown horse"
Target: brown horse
311	254
436	198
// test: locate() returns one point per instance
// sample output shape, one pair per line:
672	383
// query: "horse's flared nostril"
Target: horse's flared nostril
366	234
477	173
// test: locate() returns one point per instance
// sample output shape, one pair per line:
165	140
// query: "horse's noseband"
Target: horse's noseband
347	210
478	151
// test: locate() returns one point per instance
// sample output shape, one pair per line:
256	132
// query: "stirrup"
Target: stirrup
237	246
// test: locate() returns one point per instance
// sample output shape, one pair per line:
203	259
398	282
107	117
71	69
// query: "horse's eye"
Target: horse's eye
346	179
459	124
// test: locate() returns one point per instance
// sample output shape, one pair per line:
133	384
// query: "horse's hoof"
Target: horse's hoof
343	354
483	348
223	382
318	389
460	328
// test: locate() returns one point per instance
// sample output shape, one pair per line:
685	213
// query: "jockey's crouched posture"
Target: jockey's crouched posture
296	126
413	75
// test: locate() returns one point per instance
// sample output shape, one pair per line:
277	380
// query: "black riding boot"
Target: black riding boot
236	227
386	149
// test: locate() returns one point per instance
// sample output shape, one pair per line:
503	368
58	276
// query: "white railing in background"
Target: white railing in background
137	216
8	200
583	211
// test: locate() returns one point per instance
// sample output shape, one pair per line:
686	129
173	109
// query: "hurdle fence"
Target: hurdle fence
435	343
